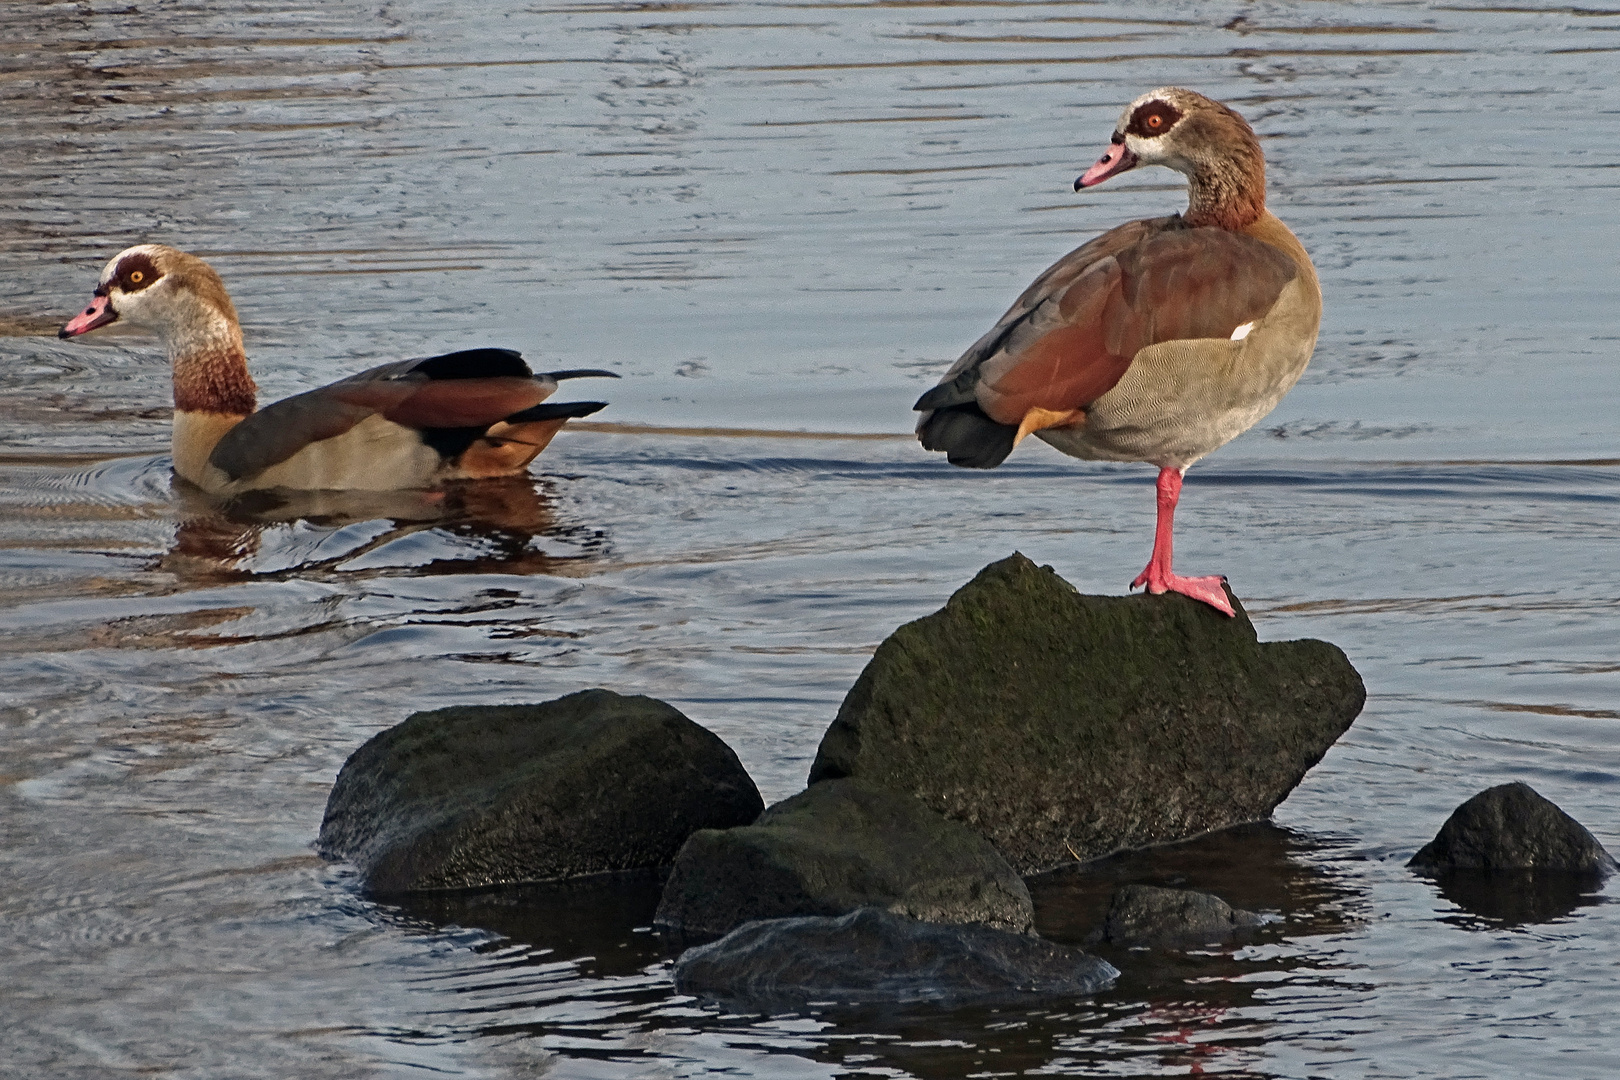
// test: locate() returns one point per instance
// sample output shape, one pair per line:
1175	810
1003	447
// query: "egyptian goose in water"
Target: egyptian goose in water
413	423
1158	341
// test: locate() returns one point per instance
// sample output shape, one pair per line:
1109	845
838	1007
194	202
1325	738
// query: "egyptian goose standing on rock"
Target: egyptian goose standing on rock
1158	341
409	424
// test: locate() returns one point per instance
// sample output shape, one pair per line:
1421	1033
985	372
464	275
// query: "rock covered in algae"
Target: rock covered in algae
842	845
1066	726
481	795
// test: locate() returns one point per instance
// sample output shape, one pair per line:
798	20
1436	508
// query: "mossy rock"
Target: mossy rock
839	846
1065	726
1513	827
482	795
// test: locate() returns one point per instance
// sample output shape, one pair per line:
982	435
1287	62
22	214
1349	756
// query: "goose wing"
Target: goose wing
1071	336
469	389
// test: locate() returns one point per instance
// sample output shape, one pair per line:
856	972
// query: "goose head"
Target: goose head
175	295
1207	142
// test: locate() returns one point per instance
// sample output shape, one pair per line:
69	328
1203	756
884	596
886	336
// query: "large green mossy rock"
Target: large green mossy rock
483	795
839	846
1065	726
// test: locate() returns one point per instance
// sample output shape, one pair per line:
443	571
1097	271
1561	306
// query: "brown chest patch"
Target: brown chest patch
215	382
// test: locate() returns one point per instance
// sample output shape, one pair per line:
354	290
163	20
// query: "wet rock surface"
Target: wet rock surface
475	796
873	955
1065	726
1512	827
838	846
1151	915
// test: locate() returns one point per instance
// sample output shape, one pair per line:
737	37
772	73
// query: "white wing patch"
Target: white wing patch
1242	332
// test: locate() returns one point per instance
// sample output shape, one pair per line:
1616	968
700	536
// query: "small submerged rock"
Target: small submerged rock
1512	827
842	845
1150	915
1065	726
483	795
871	955
1511	856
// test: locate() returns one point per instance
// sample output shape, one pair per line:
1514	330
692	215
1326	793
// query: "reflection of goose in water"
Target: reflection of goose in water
409	424
497	526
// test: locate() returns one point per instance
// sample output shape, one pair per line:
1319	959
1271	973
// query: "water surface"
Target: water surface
782	220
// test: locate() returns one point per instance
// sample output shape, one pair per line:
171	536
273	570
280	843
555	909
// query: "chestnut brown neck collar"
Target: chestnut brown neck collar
211	375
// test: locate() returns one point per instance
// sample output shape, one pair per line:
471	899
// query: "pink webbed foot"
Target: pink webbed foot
1158	577
1207	589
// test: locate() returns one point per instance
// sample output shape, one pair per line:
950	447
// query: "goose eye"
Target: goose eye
136	276
1153	119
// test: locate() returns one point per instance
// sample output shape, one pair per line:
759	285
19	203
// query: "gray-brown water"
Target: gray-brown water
782	217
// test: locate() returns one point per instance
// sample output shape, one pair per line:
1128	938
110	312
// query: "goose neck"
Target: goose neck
1227	192
210	368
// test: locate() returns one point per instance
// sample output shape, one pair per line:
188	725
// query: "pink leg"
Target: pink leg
1158	577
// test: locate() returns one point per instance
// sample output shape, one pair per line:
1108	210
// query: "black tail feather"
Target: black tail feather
475	364
579	373
959	391
969	437
568	410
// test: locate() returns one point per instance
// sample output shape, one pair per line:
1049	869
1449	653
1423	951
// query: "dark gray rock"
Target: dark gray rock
499	794
1149	915
1065	726
839	846
872	955
1511	827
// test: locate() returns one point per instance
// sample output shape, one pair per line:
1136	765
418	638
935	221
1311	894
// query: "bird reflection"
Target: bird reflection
1193	1035
473	527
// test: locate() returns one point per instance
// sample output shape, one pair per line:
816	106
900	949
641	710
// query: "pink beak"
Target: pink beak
1117	160
99	313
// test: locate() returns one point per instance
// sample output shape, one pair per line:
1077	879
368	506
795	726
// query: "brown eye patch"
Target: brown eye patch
1153	118
135	272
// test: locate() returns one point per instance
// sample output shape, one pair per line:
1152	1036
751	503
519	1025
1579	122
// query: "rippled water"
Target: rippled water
782	220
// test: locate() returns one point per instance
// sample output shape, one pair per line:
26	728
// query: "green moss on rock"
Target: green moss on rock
839	846
1066	726
482	795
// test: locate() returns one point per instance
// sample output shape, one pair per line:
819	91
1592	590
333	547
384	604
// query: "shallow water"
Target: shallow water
784	218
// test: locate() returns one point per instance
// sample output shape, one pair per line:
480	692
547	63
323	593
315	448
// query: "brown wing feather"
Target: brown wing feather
507	448
1055	358
1055	281
458	403
1079	331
